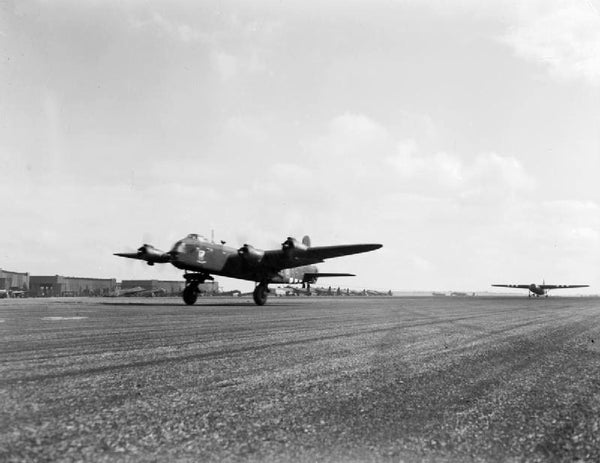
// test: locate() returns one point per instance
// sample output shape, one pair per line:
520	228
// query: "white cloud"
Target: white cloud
442	172
494	173
177	31
562	35
573	224
234	45
291	173
227	65
357	128
246	128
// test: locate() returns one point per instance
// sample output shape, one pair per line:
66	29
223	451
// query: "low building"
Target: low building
166	287
57	285
14	282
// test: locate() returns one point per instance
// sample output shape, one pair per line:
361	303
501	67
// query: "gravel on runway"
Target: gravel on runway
300	379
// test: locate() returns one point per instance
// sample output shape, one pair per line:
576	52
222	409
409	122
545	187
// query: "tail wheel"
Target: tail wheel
260	294
190	294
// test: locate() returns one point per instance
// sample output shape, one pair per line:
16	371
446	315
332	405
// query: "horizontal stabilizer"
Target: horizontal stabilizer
311	277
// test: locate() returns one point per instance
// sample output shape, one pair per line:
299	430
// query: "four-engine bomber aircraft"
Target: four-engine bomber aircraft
293	263
541	290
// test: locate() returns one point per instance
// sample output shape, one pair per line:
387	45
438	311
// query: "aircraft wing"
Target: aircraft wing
563	286
513	286
281	259
328	252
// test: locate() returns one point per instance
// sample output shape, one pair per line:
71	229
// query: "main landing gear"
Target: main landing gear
191	291
260	293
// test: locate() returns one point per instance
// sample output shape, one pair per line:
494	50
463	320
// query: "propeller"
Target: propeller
250	254
293	244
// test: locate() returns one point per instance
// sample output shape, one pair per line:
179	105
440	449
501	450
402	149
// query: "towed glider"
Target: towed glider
541	290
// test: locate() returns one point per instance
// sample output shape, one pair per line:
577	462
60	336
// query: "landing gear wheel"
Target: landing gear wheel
190	294
260	294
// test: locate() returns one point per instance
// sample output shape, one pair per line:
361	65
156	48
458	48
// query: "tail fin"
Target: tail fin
306	241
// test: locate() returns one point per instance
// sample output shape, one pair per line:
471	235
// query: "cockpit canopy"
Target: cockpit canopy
190	241
195	237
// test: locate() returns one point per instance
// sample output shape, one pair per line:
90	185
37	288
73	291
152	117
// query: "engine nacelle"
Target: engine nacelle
311	279
152	255
250	254
292	244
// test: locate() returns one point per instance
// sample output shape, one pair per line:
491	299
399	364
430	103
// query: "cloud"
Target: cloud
249	129
561	35
443	172
573	224
356	129
236	45
492	172
226	64
177	31
362	154
352	145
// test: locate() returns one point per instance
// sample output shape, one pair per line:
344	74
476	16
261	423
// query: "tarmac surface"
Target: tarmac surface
300	379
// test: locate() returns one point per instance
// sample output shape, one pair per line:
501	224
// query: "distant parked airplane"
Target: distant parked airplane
139	291
541	290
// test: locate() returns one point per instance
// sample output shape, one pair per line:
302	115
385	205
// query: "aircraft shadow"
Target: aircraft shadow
181	304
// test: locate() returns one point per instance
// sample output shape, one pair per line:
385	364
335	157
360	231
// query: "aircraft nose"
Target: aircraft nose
177	249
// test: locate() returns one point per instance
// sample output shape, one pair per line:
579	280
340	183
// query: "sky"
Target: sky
462	135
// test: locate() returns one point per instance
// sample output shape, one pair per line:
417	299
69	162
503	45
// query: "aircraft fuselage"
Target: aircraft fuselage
537	290
195	255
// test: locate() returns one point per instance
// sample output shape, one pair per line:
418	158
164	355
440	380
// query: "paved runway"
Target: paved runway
300	379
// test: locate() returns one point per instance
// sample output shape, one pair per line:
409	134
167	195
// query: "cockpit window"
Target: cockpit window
196	236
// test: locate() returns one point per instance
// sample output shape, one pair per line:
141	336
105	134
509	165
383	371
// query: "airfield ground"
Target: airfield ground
300	379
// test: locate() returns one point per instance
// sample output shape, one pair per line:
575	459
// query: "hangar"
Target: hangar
56	285
14	282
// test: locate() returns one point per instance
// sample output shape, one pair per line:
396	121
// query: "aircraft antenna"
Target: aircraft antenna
212	235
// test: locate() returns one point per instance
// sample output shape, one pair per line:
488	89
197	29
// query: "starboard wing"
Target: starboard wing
563	286
280	259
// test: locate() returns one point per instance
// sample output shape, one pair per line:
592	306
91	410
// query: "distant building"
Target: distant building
56	285
168	287
14	281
